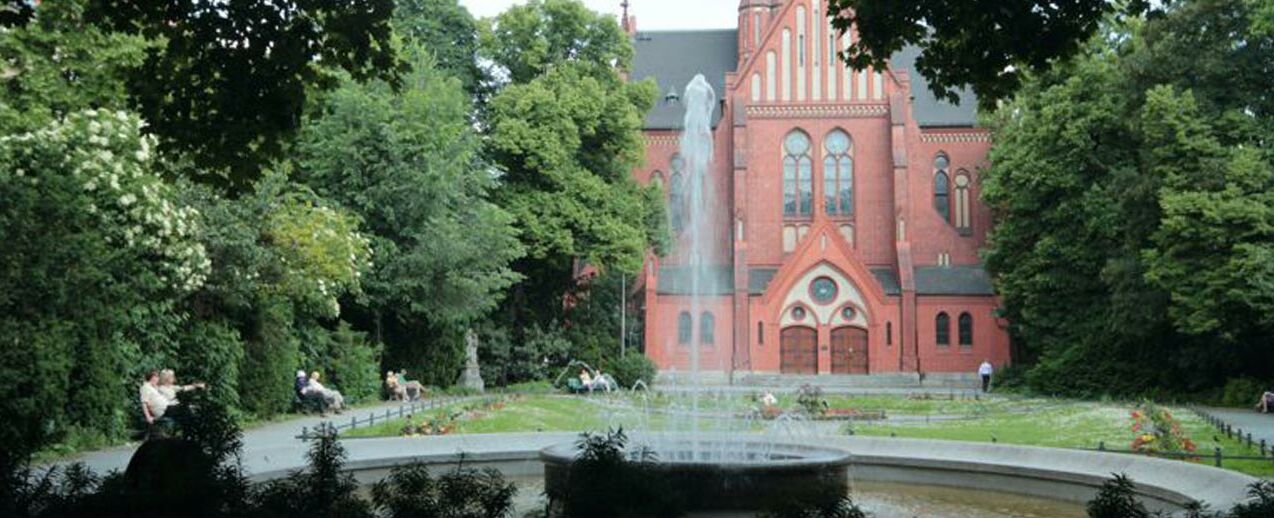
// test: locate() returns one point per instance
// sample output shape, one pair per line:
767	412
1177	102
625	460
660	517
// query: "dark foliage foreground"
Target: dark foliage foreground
197	473
1117	499
607	479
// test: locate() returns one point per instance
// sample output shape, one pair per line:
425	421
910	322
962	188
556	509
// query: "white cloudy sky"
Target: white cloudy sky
651	14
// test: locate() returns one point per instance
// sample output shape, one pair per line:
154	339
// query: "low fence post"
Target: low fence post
371	419
1249	439
1262	447
305	432
1101	445
353	421
1218	456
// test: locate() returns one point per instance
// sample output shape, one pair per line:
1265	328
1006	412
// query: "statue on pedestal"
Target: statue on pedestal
471	378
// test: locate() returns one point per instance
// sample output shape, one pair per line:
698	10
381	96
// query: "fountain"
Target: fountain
715	471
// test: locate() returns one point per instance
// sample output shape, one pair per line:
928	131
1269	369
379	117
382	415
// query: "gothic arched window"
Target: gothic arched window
677	194
798	178
657	179
707	328
965	322
942	187
838	174
942	329
685	327
961	212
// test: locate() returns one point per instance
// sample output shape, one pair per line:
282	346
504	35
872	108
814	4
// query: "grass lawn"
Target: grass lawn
1035	422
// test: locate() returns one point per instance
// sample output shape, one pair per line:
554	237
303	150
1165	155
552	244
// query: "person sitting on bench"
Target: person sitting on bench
1266	403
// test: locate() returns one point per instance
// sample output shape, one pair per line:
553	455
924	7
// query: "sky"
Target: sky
651	14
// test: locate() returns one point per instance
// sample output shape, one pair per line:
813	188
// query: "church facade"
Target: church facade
847	204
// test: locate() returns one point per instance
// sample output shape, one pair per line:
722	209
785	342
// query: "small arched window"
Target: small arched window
798	178
889	333
685	327
838	174
942	329
707	328
657	179
966	329
677	194
961	212
942	188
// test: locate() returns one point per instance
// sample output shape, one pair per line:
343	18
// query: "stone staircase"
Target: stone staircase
888	380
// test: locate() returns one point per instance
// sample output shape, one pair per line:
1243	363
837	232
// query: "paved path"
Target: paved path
258	443
1261	426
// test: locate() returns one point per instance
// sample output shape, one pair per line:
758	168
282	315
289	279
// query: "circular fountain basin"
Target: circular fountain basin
747	476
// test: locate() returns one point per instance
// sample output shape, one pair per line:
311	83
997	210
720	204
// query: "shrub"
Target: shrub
269	361
211	352
349	362
1117	499
628	369
409	492
323	489
1242	392
1261	504
810	398
605	482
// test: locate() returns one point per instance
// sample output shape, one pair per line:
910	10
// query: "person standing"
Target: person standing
985	371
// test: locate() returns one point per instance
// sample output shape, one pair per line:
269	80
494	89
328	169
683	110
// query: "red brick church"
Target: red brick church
848	203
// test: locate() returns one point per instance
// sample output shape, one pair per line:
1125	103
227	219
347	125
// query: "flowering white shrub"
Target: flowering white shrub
322	251
111	159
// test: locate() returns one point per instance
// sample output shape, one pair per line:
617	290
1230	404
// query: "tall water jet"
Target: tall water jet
700	241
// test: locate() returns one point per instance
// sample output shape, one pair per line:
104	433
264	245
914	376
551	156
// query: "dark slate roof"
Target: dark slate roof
926	108
677	280
888	279
953	280
759	279
673	58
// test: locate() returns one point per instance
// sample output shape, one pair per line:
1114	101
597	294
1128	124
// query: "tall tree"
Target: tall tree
409	163
229	80
987	44
1133	217
565	131
447	30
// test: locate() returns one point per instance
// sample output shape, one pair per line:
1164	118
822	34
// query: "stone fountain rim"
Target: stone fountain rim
813	455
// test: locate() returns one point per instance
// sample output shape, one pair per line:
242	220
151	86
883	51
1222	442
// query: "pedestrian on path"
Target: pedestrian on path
985	371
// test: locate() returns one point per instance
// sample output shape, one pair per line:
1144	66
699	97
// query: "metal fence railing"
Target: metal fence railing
404	410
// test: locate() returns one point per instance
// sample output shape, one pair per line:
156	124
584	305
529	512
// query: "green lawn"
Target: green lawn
1036	422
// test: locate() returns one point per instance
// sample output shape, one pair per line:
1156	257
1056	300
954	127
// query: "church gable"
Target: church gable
793	60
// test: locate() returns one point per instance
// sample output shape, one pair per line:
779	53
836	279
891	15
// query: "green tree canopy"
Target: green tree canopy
408	162
527	40
988	44
447	30
228	81
1133	217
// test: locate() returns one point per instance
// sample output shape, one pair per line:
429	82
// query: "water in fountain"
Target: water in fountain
700	226
692	421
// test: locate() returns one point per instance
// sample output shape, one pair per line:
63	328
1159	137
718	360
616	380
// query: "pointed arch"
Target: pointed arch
942	186
798	175
965	329
942	329
685	327
707	328
838	173
961	209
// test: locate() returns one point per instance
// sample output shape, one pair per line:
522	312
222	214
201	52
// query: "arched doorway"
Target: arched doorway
798	351
849	350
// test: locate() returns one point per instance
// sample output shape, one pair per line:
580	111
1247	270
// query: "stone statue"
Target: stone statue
471	378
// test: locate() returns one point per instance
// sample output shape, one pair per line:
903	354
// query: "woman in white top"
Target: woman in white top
332	398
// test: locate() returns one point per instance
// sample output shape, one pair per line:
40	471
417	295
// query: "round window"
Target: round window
798	313
823	290
848	313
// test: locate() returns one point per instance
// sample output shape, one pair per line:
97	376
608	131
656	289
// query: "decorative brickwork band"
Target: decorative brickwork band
827	111
963	136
